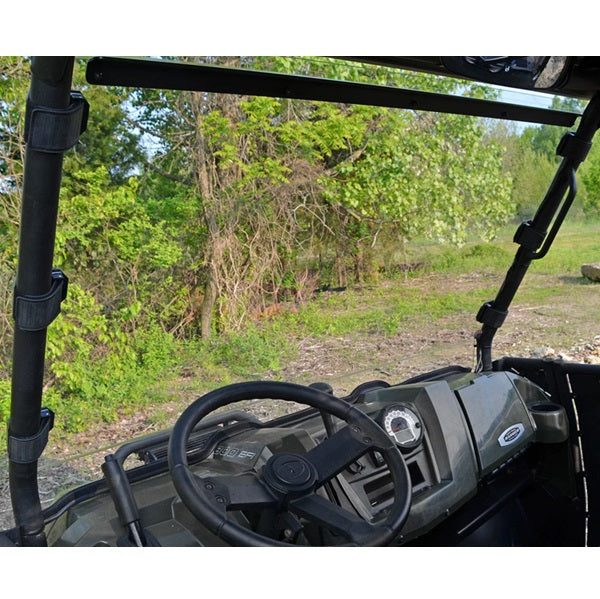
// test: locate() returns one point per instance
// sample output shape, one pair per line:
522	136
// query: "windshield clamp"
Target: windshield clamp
27	450
491	316
528	237
35	313
55	130
573	147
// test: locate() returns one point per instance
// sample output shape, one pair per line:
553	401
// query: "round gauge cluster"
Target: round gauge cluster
403	425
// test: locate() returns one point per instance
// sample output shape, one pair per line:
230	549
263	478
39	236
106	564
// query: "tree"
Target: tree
246	165
590	177
539	160
544	139
14	81
270	179
112	140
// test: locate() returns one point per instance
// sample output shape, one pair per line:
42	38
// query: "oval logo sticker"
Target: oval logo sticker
511	434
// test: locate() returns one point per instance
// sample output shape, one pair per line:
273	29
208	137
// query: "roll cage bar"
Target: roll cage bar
56	116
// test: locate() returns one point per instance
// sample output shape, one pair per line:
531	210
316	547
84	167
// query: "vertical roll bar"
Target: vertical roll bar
50	88
533	234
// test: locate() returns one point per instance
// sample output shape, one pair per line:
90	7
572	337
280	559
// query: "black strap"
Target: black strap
56	130
573	147
35	313
528	236
491	316
26	450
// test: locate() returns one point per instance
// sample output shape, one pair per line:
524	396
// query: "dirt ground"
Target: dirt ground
563	329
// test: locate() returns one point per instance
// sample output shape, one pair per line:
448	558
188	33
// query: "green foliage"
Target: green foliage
388	312
590	177
13	91
532	177
441	168
95	368
545	139
530	159
102	222
251	351
112	139
117	245
4	400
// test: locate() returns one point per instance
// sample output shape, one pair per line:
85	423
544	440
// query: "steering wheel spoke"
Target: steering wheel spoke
336	453
319	510
236	492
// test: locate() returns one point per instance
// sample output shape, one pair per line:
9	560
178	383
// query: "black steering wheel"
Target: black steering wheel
288	482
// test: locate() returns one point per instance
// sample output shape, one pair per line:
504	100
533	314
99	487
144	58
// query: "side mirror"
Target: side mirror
527	72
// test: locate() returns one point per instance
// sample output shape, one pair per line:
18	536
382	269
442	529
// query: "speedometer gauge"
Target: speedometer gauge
403	425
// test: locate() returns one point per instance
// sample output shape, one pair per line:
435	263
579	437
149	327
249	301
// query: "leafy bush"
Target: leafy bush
4	400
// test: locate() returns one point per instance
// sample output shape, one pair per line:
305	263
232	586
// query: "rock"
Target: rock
543	352
592	359
591	271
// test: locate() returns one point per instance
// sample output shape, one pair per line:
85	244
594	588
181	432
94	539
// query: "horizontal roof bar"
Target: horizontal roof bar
160	74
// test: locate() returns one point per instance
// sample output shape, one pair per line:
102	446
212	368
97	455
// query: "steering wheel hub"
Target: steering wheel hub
289	474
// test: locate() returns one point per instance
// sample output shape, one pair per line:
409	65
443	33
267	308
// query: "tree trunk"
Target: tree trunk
208	304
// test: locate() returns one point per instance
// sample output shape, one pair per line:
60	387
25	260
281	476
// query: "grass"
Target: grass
383	310
577	242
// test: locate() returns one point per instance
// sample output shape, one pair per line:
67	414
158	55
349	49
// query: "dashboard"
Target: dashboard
452	434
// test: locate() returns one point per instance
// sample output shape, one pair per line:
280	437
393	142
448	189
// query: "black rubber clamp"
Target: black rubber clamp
53	130
573	147
529	237
26	450
491	316
35	313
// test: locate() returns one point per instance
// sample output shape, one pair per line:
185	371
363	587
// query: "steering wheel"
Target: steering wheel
288	482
